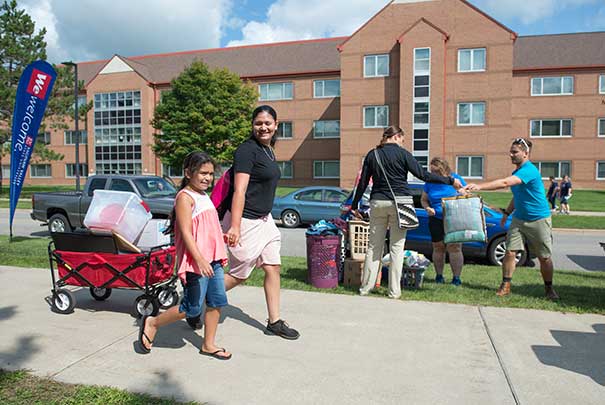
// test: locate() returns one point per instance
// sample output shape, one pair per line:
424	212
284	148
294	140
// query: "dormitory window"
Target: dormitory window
601	126
326	169
602	84
547	128
601	170
552	86
285	167
471	60
70	170
470	166
40	171
284	130
376	65
70	137
326	88
555	169
172	171
44	138
376	116
275	91
6	171
471	113
326	129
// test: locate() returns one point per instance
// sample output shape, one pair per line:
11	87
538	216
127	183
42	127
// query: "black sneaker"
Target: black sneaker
195	323
281	328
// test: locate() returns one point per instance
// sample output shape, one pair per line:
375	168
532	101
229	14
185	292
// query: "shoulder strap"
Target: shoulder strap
383	172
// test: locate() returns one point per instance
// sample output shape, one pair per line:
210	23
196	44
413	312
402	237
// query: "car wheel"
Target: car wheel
58	223
290	218
497	249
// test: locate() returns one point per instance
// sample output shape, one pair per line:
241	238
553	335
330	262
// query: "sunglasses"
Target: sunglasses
521	141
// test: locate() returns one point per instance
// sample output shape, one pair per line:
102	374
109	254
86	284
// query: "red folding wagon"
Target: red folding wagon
96	262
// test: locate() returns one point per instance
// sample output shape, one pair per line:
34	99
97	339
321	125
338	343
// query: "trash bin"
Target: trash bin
323	260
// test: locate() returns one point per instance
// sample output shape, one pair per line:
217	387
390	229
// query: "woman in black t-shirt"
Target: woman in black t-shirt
252	237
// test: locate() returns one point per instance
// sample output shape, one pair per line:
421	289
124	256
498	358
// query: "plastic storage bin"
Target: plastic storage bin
118	211
359	232
323	260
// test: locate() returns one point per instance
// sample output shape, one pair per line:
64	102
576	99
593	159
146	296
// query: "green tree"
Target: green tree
205	110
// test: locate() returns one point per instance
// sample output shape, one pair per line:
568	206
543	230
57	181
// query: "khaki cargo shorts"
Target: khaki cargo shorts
537	234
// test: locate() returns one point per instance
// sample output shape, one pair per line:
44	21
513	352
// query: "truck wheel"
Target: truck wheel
58	223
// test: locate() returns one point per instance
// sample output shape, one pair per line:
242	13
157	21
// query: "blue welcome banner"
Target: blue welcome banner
35	86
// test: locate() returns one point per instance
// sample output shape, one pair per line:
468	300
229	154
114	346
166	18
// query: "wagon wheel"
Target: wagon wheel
100	294
63	301
146	305
167	297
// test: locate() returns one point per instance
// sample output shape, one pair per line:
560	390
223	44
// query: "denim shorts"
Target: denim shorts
200	289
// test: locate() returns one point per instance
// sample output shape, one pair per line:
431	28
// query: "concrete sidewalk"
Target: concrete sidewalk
352	350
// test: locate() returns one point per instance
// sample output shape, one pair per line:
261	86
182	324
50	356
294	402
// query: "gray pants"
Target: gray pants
383	216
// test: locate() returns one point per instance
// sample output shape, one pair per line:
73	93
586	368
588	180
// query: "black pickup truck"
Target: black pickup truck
65	211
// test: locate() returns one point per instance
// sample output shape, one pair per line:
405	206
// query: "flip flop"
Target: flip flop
143	334
215	354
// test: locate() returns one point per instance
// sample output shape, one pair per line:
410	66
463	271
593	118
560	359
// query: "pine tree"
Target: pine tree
204	110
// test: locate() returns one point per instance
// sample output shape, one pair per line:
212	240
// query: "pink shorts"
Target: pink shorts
260	242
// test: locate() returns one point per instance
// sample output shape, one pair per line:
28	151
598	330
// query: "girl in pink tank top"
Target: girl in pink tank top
200	258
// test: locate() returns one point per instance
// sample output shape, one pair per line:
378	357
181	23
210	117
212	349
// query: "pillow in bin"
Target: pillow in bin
464	219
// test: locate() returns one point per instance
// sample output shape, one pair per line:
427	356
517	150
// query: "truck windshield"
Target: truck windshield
154	187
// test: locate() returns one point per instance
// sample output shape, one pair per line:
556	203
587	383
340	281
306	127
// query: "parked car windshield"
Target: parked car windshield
154	187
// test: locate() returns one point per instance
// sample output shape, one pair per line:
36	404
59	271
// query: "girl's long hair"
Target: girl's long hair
192	163
269	110
389	133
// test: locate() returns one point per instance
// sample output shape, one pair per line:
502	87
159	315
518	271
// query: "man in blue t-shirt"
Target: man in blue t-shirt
565	194
531	217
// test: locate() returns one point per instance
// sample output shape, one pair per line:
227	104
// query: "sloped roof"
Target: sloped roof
317	55
584	49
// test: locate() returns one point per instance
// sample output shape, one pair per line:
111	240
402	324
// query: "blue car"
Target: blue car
309	205
419	239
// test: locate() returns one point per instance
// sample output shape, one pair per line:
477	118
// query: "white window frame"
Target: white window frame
531	86
83	134
323	162
471	123
375	107
83	172
283	124
600	135
281	164
323	88
166	171
531	135
472	54
539	163
316	136
283	91
599	162
31	171
375	57
602	84
6	171
470	158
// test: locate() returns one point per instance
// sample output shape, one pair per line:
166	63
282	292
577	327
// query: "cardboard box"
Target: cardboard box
153	234
352	273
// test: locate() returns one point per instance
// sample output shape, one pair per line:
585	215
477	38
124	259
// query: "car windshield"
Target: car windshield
154	187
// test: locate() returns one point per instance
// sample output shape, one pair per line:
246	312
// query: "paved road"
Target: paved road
574	250
428	353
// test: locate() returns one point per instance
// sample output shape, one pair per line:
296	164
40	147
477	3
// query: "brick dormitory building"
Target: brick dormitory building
459	83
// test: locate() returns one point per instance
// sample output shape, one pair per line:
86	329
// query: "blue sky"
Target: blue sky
82	30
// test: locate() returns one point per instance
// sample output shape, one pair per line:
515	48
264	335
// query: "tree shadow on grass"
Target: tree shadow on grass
579	352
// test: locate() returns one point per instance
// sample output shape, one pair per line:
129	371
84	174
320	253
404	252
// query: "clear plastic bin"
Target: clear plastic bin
118	211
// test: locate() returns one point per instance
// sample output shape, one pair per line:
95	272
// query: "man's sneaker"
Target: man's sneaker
551	294
439	279
504	289
281	328
195	323
456	281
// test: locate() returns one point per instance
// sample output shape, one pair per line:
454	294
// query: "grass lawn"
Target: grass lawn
19	387
581	291
578	222
582	200
23	203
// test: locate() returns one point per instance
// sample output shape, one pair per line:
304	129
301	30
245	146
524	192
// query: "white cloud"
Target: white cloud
528	11
90	29
294	19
